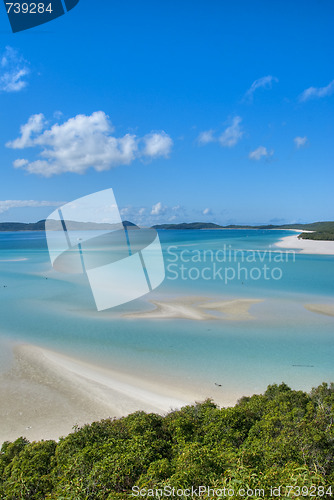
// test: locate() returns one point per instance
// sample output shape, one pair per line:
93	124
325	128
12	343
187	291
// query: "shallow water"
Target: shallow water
284	341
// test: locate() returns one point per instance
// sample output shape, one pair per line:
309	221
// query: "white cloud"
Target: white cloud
8	204
228	138
159	213
264	82
207	211
206	137
84	142
260	152
29	132
20	162
133	214
317	92
157	144
124	211
157	209
231	134
13	70
300	141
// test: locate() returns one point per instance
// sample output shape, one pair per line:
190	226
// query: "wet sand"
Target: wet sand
198	308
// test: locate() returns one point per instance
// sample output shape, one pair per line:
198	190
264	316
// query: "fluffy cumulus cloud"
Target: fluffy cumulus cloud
29	131
300	141
261	83
259	153
8	204
207	211
317	92
84	142
13	71
232	134
157	209
157	144
161	212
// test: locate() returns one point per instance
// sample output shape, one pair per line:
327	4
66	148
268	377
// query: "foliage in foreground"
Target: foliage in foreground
282	437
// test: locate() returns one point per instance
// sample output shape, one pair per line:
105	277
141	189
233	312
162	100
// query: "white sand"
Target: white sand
46	393
306	246
326	309
198	308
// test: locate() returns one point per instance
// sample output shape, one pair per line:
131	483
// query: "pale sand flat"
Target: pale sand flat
233	310
195	308
21	259
326	309
45	394
306	246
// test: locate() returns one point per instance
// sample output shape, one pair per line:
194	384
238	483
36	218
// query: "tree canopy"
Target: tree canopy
283	437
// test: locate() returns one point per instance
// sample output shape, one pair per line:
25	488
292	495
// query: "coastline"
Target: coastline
45	394
311	247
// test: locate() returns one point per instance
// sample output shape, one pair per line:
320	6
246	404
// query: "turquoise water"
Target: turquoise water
284	341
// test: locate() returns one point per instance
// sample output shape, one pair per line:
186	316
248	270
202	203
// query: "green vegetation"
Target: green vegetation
282	437
22	226
318	235
314	226
40	225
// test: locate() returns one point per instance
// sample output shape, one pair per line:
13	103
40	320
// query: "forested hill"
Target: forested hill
39	226
313	226
327	226
21	226
283	438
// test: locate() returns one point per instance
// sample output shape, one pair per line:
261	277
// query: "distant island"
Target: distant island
313	226
40	226
320	230
22	226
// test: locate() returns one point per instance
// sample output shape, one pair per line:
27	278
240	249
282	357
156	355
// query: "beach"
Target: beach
46	393
313	247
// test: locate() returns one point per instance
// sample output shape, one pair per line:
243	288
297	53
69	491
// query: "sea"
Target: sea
282	341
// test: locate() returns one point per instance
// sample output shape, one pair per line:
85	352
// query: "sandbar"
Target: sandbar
306	246
326	309
198	308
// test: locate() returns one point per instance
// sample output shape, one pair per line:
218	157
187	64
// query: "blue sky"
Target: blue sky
218	111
